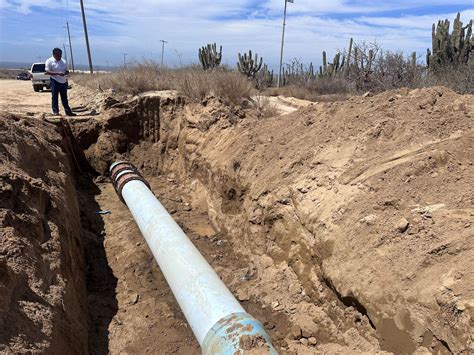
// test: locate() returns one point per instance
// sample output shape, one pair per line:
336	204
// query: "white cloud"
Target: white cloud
27	6
415	22
313	26
356	7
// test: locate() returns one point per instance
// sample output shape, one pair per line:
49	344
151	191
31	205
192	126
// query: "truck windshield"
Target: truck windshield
38	68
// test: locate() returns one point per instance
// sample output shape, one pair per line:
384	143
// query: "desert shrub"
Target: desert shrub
264	78
134	79
231	86
194	84
228	85
264	106
385	71
372	68
330	85
191	81
297	73
460	78
393	70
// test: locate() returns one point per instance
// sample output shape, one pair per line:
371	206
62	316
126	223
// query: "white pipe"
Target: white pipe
210	308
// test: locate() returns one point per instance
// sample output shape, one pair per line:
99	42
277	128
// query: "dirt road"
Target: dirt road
18	96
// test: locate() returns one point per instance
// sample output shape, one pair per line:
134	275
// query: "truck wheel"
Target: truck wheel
36	88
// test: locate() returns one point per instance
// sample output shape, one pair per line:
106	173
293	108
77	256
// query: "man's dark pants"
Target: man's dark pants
61	89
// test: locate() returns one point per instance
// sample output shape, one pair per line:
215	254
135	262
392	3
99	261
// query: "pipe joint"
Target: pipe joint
123	172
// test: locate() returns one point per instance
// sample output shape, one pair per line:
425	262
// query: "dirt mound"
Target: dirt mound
42	283
357	215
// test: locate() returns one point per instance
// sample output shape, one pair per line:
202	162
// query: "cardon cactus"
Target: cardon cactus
297	73
453	49
249	66
334	68
413	59
267	76
346	63
311	70
209	57
264	78
339	66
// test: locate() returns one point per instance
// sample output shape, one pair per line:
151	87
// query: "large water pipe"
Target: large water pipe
217	319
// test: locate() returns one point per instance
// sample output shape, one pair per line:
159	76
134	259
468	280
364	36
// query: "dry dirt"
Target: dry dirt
344	227
42	278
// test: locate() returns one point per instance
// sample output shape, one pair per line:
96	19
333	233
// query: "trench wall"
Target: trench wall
315	199
42	272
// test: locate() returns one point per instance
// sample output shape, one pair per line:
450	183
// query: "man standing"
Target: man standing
56	67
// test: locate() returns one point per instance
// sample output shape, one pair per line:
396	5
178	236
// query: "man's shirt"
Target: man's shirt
58	66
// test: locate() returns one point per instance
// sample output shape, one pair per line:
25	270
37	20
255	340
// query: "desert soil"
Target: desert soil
343	226
42	269
131	308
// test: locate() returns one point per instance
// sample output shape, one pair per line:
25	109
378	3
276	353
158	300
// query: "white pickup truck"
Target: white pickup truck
39	79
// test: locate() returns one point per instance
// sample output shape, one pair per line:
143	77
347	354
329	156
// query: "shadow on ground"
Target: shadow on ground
101	282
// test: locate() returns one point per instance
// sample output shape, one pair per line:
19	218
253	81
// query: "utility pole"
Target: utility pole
179	57
282	42
87	37
124	61
65	55
70	45
162	50
107	62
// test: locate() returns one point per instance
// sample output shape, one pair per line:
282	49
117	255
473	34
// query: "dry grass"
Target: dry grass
232	86
134	80
264	106
389	71
192	81
460	79
373	69
228	85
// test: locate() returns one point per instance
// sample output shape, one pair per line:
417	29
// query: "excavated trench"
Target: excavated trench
212	150
148	134
269	209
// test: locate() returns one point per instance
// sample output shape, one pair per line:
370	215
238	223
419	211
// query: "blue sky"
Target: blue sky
31	28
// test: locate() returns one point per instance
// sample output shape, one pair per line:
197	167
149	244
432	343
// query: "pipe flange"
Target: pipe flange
121	166
123	172
124	179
